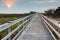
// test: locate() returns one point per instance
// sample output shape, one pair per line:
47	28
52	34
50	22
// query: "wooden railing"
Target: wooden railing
52	26
8	26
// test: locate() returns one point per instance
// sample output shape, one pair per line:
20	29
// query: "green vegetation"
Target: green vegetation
5	32
53	12
57	12
7	19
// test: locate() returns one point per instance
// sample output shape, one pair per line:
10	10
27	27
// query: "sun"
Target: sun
9	3
9	6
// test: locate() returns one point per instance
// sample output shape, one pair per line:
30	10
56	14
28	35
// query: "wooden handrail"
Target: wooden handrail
8	25
44	18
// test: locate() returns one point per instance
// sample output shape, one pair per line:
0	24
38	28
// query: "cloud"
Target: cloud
42	9
52	0
43	1
37	2
0	2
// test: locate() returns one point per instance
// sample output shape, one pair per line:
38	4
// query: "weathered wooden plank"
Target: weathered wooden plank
36	30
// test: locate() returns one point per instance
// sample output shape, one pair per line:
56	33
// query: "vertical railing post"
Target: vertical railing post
18	25
59	33
29	19
23	24
0	36
27	22
9	30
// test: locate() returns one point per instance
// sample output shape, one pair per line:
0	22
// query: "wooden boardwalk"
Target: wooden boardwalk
36	30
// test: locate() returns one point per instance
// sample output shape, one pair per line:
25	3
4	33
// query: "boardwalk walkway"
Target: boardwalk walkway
36	30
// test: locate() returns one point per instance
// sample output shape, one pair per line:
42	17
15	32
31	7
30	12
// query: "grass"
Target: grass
7	19
5	32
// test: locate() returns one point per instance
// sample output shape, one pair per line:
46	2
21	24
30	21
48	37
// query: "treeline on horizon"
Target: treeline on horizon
16	15
53	12
12	15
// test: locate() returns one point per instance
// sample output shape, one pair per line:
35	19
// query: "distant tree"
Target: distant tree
53	12
57	12
50	12
46	12
31	12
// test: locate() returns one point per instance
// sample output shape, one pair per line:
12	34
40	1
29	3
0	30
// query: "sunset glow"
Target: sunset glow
9	3
25	6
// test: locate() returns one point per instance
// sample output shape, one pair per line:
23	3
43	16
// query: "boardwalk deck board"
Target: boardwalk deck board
36	30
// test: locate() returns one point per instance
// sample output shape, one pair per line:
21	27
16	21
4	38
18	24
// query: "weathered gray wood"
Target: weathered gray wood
14	22
7	25
54	23
9	30
36	30
46	24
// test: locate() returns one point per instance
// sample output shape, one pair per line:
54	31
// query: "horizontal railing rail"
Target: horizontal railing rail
8	25
55	33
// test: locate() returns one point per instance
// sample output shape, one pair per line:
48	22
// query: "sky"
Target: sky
25	6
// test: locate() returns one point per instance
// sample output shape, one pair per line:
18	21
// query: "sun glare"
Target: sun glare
9	3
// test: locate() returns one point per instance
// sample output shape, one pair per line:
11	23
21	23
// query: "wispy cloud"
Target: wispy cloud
43	1
42	9
37	2
52	0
